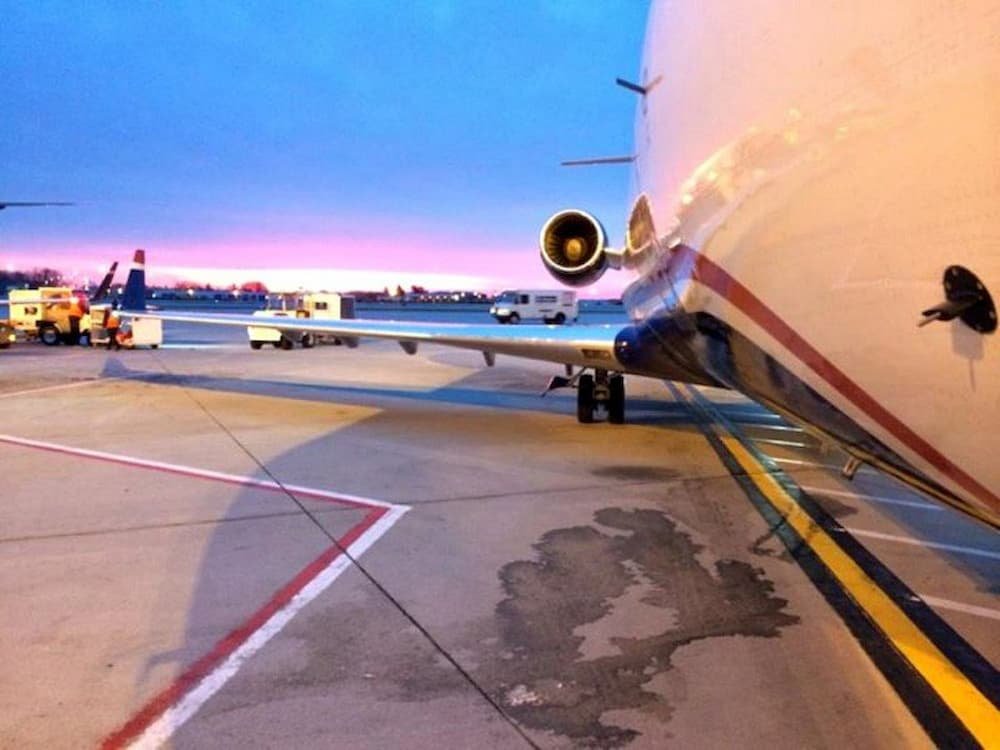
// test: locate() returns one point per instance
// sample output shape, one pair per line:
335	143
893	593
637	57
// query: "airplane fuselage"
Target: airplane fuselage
804	176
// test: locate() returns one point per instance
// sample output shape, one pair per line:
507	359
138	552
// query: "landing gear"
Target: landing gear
600	391
616	399
585	404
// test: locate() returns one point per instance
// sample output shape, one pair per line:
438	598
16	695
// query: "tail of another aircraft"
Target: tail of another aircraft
135	287
105	287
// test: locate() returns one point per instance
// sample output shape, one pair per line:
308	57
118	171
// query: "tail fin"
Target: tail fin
135	287
105	287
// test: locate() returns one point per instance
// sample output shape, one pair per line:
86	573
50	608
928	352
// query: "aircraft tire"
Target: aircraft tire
616	399
286	343
585	399
308	342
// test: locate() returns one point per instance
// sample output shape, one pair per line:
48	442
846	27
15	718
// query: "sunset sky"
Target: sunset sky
409	142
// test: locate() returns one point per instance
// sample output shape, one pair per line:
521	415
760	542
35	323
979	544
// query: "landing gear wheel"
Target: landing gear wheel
286	343
514	319
585	399
616	399
308	342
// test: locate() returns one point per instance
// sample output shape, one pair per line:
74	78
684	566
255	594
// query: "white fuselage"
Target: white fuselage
832	159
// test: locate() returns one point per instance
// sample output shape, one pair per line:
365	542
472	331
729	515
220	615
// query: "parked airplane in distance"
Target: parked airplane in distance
813	180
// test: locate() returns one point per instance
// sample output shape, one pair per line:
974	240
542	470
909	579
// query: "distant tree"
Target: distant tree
416	289
255	287
33	278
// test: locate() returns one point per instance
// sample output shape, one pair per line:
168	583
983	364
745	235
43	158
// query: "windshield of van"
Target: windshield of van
507	298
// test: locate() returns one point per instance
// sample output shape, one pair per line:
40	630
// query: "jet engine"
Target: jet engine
573	245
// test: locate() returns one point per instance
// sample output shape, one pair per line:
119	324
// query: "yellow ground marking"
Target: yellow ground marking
973	709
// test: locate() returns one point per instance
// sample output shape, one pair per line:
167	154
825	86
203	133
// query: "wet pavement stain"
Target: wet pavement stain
537	666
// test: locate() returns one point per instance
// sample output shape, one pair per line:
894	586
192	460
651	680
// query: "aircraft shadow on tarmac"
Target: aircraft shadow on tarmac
353	652
641	411
647	412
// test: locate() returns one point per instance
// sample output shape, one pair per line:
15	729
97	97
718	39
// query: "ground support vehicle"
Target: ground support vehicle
321	306
133	333
44	313
8	335
550	305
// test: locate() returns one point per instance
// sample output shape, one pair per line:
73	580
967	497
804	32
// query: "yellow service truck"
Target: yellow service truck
46	313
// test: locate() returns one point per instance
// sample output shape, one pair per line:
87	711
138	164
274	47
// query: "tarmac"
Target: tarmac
208	546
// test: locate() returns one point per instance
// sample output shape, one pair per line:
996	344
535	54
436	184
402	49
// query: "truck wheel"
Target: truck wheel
514	319
255	345
616	399
276	344
49	335
585	399
560	319
85	338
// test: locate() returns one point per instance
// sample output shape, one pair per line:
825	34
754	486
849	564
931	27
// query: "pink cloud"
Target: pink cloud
314	262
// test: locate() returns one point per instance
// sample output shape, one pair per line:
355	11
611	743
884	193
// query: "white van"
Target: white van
553	306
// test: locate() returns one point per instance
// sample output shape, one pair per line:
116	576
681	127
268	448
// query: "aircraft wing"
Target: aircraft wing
582	345
585	346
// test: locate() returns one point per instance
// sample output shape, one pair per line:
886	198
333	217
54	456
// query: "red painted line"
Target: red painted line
717	279
222	650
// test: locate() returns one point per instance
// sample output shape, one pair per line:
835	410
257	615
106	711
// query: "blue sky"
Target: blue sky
418	136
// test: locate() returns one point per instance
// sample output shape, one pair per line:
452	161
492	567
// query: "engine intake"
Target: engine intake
573	247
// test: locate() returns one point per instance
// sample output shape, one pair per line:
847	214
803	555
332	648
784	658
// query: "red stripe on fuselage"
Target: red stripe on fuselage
719	281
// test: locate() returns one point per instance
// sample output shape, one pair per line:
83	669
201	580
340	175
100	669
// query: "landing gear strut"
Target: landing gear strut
600	391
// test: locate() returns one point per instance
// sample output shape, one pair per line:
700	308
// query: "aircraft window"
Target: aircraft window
321	306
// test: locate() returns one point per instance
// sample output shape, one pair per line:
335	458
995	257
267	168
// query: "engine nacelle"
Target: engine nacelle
573	245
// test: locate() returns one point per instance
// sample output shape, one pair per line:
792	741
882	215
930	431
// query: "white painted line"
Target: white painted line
969	609
808	464
160	731
195	472
875	498
920	543
202	346
772	441
782	427
60	387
